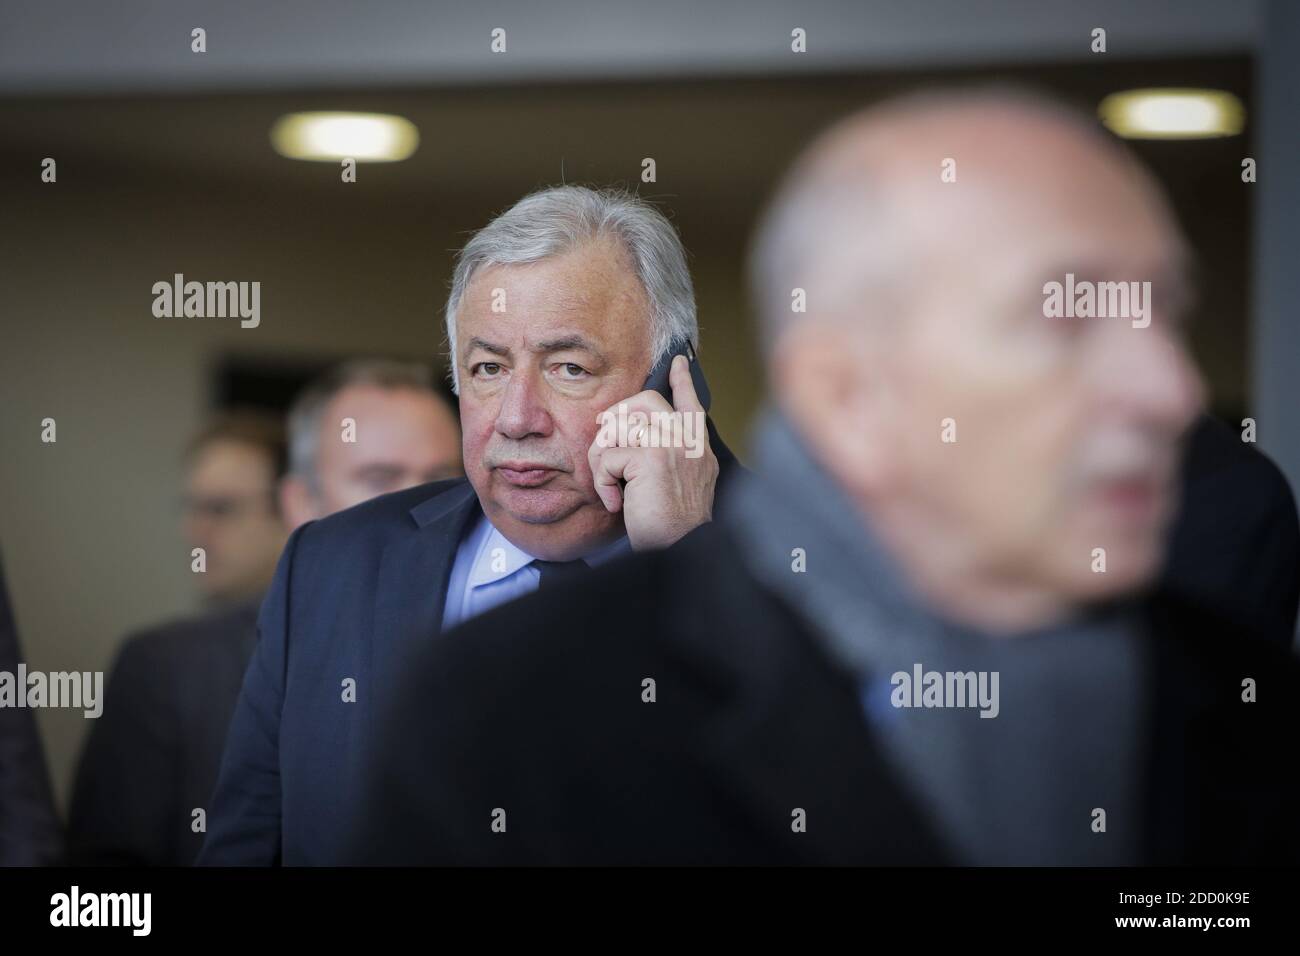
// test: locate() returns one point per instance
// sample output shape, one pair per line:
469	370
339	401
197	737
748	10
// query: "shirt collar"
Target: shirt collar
514	558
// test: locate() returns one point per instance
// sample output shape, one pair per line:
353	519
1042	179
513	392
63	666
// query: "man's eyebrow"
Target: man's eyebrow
489	347
567	343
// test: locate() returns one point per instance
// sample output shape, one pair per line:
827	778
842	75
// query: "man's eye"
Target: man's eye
486	368
571	371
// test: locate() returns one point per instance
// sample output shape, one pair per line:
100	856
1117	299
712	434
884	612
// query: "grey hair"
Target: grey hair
555	220
309	407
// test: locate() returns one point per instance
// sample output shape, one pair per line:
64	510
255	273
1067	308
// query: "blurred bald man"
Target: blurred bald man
151	761
926	632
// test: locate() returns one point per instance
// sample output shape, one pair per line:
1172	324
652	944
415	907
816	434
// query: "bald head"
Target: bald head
887	195
995	447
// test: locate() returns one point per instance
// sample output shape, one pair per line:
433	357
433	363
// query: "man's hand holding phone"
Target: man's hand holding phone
662	491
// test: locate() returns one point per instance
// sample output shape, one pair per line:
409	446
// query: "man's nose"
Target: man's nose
523	410
1153	375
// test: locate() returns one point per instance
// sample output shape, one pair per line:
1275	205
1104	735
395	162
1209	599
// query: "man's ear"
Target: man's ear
297	503
829	381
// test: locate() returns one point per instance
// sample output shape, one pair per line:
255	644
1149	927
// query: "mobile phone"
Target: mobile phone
658	377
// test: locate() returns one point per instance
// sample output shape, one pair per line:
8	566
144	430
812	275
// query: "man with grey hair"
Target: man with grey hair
364	428
560	310
925	632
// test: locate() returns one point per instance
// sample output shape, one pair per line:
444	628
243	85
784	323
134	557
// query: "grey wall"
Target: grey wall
1276	335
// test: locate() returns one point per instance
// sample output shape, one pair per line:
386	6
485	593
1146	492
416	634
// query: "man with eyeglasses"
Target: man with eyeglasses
231	508
151	762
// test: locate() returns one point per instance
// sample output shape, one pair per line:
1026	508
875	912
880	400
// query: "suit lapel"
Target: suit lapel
413	576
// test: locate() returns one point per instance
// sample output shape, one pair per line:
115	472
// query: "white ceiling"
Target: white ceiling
90	47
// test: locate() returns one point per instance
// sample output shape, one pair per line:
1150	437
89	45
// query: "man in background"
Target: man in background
366	428
151	761
926	631
230	506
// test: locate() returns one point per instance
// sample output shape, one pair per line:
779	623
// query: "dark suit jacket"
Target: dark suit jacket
354	595
536	709
152	757
29	830
1236	543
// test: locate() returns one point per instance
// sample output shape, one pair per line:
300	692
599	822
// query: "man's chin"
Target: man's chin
1121	570
556	533
537	506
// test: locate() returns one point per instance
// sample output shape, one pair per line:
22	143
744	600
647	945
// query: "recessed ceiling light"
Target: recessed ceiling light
372	137
1172	114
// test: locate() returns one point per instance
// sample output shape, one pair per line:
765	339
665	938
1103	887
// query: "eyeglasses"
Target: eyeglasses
225	507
